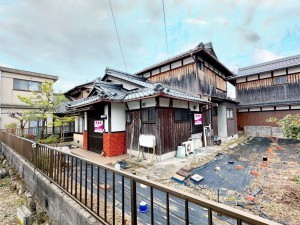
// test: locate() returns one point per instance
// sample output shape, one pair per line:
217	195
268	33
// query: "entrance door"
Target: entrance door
95	139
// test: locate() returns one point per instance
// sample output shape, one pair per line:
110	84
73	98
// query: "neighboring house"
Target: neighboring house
198	71
76	93
14	82
127	106
270	89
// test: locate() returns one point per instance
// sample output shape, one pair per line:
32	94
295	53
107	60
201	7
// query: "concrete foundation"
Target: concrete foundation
61	208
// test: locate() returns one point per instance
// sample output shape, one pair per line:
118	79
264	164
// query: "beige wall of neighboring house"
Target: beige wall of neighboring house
14	82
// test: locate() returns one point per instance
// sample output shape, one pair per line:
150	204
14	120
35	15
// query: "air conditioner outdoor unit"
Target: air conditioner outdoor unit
189	147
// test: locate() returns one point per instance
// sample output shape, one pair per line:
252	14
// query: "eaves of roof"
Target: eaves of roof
28	73
270	66
262	104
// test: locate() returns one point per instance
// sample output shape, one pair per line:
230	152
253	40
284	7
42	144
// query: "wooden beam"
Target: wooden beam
109	117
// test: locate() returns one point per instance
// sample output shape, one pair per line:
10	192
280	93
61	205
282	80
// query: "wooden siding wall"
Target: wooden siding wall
183	77
172	134
168	133
259	118
207	78
260	91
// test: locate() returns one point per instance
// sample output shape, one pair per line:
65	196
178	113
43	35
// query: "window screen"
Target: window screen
27	85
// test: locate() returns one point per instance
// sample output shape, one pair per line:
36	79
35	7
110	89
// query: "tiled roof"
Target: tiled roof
141	81
107	91
200	47
270	66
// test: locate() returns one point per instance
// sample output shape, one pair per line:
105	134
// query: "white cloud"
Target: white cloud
161	56
263	55
221	20
196	21
145	21
6	65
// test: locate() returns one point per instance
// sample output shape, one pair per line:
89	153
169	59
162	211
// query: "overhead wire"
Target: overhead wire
112	13
166	35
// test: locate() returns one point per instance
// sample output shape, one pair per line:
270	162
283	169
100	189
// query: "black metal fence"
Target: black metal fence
114	196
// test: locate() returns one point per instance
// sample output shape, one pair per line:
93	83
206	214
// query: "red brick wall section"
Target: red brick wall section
85	140
114	143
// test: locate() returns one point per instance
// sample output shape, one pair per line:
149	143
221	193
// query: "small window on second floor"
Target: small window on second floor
27	85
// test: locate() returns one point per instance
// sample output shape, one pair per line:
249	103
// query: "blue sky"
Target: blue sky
76	40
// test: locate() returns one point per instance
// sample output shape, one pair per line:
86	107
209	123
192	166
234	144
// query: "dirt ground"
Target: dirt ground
270	189
9	202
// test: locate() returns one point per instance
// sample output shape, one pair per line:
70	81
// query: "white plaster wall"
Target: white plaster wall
85	121
252	77
222	121
176	64
254	109
279	72
165	68
241	79
118	118
242	110
282	107
106	120
125	85
154	72
146	75
267	108
76	125
164	102
78	138
133	105
188	60
294	69
180	104
295	107
149	102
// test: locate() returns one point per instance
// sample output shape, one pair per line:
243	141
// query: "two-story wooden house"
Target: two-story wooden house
270	89
199	71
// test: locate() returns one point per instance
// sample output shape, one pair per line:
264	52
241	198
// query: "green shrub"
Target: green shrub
290	125
50	140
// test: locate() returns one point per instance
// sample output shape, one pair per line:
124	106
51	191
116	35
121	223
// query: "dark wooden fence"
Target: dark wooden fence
114	196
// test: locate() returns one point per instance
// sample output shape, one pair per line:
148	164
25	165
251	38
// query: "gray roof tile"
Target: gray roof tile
107	91
271	65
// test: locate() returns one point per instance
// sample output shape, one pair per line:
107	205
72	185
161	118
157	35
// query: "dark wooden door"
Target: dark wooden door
95	139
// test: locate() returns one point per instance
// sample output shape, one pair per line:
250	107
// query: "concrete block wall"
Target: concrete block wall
263	131
61	208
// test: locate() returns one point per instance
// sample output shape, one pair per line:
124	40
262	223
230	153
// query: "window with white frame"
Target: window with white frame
229	113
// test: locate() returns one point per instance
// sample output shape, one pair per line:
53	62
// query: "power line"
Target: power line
165	26
112	13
